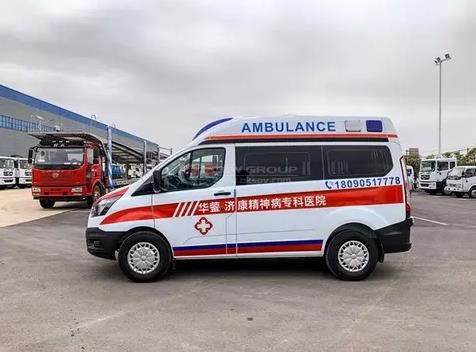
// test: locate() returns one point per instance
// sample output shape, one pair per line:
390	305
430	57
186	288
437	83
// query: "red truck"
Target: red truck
73	166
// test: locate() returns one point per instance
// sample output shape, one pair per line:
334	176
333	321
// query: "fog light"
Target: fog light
76	189
35	189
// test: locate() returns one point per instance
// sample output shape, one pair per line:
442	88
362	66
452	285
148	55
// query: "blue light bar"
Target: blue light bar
374	126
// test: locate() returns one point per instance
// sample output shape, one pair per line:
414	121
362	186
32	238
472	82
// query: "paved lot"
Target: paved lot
54	296
17	206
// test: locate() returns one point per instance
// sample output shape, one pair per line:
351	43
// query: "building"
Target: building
21	114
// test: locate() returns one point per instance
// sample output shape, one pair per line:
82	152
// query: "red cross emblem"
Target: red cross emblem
203	226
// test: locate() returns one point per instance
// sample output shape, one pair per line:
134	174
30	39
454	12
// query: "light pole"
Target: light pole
439	61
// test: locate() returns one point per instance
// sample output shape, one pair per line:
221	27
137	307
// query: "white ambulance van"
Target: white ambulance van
287	186
462	180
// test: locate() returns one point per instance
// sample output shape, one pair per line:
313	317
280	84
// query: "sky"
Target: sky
162	69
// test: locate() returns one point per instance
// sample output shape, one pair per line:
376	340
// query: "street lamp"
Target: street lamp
438	62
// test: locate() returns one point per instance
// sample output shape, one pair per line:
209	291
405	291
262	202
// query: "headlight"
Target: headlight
101	207
76	189
35	189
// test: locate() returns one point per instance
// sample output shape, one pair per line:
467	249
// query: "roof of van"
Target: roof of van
295	127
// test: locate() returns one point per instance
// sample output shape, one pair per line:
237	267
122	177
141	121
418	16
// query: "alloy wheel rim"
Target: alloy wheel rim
143	258
353	256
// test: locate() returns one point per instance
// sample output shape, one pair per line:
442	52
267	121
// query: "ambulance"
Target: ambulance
286	186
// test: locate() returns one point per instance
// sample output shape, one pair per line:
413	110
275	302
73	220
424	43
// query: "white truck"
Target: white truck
7	173
433	174
462	180
22	172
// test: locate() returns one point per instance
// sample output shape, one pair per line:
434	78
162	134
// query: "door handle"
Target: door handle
222	193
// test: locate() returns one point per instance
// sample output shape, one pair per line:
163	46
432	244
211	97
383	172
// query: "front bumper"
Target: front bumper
24	180
63	193
7	181
396	238
454	189
103	244
428	185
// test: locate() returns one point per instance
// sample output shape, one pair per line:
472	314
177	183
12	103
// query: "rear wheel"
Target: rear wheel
97	193
144	257
472	192
47	203
351	255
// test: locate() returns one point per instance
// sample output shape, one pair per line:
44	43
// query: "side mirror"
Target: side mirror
30	156
157	179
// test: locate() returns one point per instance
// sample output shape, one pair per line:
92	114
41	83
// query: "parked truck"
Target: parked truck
74	166
433	174
7	173
461	181
22	172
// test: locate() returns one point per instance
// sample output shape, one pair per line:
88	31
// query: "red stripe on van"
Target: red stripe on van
303	136
282	201
141	213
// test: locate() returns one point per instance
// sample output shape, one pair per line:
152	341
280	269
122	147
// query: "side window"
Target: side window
90	156
470	173
96	154
442	165
259	165
200	168
452	164
356	161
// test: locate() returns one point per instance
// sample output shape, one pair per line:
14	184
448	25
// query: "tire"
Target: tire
432	192
21	186
97	193
459	194
158	266
472	192
343	244
47	203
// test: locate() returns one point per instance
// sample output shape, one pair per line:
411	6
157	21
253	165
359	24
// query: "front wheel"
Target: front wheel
144	257
47	203
472	192
351	255
97	193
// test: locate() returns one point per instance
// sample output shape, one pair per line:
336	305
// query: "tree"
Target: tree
413	161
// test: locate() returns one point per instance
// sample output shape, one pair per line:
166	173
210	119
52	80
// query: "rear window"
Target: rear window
356	161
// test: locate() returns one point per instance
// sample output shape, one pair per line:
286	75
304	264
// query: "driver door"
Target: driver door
195	208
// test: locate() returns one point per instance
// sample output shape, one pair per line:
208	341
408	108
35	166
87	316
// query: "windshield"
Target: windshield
59	156
455	173
23	164
6	164
427	166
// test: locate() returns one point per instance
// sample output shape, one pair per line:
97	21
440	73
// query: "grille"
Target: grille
8	173
425	177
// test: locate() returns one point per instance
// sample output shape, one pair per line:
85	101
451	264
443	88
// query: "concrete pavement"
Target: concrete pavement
54	296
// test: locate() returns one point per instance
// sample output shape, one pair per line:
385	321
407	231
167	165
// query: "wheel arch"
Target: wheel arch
134	230
362	228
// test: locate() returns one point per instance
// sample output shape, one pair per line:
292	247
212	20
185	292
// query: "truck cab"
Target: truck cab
7	173
433	174
461	181
22	172
67	172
